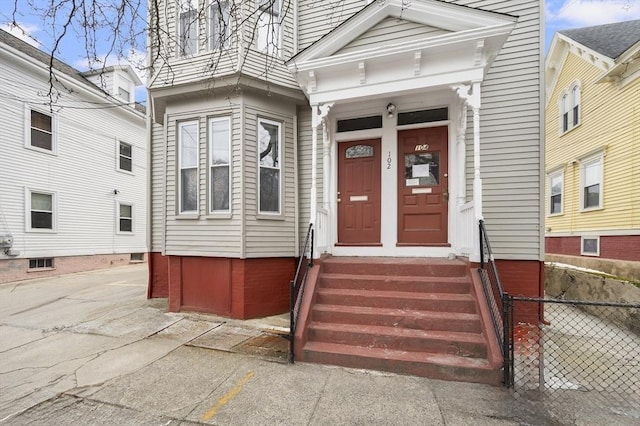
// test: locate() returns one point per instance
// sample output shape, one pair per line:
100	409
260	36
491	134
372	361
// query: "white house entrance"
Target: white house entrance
423	193
359	193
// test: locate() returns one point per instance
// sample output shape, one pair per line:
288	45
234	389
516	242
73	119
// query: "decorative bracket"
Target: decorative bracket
478	58
312	81
363	77
320	114
417	62
464	92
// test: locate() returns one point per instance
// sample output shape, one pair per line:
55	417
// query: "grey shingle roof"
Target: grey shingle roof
611	40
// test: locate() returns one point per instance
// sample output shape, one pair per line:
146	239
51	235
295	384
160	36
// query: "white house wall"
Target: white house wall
157	187
82	173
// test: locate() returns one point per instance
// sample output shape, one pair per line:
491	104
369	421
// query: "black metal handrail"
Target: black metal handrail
496	297
296	287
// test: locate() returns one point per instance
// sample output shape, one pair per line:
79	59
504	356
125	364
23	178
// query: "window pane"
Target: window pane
125	211
41	202
556	185
220	142
575	115
359	151
592	196
220	188
422	169
556	203
268	32
565	121
126	225
189	145
189	190
125	164
268	144
219	25
41	220
41	121
41	139
590	245
188	32
592	174
125	149
269	190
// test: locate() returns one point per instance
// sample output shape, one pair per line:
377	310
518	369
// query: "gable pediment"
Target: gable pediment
425	43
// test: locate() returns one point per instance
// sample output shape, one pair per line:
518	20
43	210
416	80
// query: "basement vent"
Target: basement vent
41	263
137	257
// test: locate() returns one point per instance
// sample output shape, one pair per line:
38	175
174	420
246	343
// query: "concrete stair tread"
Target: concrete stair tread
378	277
377	330
399	355
395	312
397	294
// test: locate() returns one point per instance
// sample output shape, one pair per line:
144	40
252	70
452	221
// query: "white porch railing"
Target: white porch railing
468	232
322	230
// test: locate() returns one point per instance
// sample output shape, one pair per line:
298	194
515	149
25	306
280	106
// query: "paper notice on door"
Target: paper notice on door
413	182
359	198
420	170
421	191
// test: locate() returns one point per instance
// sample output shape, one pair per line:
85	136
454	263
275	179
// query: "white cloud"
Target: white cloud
23	32
567	14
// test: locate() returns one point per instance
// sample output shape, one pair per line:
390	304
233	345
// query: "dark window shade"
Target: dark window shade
363	123
423	116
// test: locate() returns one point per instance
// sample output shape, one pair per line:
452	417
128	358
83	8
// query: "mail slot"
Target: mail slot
421	191
359	198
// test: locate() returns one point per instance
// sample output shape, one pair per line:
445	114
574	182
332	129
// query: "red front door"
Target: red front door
359	192
423	186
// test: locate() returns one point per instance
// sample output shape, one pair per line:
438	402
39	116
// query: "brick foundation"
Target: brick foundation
237	288
18	269
523	278
620	247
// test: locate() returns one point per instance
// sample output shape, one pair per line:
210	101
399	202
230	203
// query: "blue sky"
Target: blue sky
559	15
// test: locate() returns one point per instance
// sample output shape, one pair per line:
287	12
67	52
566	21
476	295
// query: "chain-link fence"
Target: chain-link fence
585	355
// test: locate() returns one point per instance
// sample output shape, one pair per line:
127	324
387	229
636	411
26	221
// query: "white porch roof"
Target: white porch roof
460	50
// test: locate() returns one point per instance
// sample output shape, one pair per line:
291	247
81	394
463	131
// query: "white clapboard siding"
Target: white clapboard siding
317	18
82	173
157	186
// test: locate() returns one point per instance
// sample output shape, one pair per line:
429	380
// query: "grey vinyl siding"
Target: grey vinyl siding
269	236
510	137
392	29
317	18
157	186
204	234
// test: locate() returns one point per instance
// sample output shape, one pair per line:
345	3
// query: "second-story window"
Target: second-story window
188	28
570	108
269	27
41	131
575	104
188	166
219	24
125	156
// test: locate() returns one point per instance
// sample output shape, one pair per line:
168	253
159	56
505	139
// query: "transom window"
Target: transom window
41	130
591	183
125	218
41	214
555	190
423	116
125	156
269	148
361	123
188	28
220	163
268	28
188	166
219	25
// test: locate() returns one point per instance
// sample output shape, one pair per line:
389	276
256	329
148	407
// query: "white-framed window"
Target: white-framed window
219	165
219	24
269	165
570	108
188	28
590	246
591	183
125	157
124	94
41	211
125	218
268	28
556	189
188	166
41	130
41	263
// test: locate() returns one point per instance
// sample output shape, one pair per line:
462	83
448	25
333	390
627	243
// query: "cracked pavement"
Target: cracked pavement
90	349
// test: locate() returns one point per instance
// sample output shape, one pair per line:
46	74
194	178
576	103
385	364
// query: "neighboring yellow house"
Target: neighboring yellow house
592	205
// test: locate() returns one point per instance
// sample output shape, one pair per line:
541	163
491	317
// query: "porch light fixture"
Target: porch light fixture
391	110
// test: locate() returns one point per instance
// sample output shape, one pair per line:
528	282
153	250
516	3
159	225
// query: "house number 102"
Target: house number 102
389	161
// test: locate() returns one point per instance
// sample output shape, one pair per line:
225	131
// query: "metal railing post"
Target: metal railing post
506	339
292	304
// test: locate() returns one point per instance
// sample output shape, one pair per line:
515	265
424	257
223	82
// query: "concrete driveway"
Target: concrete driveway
90	349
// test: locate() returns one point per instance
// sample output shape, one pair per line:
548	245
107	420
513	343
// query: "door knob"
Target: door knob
445	195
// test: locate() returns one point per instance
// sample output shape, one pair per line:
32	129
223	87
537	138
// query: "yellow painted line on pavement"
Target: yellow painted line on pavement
229	396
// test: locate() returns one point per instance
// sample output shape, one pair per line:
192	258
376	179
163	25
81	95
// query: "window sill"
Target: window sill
184	216
52	152
569	129
125	172
555	214
590	254
591	209
30	270
267	216
215	216
41	231
125	233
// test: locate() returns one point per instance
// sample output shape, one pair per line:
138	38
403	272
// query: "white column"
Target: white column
477	181
314	164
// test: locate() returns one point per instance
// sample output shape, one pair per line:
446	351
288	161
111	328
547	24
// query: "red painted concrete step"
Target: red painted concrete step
395	266
405	339
436	366
455	284
421	320
439	302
